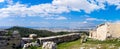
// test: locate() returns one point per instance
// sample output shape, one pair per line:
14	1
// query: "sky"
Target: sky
58	13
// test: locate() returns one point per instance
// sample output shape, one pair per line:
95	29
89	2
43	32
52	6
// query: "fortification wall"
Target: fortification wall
60	38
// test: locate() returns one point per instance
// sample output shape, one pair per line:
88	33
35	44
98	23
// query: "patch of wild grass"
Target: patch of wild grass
69	45
116	42
107	44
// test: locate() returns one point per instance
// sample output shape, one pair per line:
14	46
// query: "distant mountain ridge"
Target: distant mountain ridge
26	31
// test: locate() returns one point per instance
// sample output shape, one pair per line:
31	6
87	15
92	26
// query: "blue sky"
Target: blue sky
58	13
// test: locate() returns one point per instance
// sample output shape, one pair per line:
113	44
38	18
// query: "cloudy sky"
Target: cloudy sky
58	13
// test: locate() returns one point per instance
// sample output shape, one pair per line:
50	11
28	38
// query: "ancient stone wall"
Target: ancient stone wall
60	38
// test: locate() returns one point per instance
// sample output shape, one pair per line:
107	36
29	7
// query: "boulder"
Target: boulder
49	45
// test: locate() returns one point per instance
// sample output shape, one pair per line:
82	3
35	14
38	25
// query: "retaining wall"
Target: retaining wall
60	38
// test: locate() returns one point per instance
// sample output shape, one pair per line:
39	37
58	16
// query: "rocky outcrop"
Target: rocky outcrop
27	45
49	45
11	41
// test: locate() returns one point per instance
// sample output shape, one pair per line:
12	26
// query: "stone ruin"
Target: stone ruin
27	45
50	42
60	38
83	38
11	41
49	45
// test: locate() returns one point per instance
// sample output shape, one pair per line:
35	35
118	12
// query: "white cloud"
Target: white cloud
116	21
91	19
114	2
48	9
85	22
42	10
2	0
57	7
95	19
78	5
86	5
118	7
43	24
15	10
80	25
57	18
61	18
10	2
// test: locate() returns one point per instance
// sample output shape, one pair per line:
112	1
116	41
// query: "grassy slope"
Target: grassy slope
108	44
69	45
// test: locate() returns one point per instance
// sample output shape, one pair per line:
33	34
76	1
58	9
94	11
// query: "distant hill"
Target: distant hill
41	33
26	31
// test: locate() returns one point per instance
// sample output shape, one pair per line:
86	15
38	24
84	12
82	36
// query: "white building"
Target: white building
107	30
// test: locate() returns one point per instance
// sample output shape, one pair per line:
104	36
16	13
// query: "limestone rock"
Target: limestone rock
49	45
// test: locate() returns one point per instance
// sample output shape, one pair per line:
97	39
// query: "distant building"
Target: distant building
104	31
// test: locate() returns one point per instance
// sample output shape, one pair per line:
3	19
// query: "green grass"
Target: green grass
108	44
69	45
116	42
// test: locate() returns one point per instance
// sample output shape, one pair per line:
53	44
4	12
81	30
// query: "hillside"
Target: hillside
41	33
26	31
